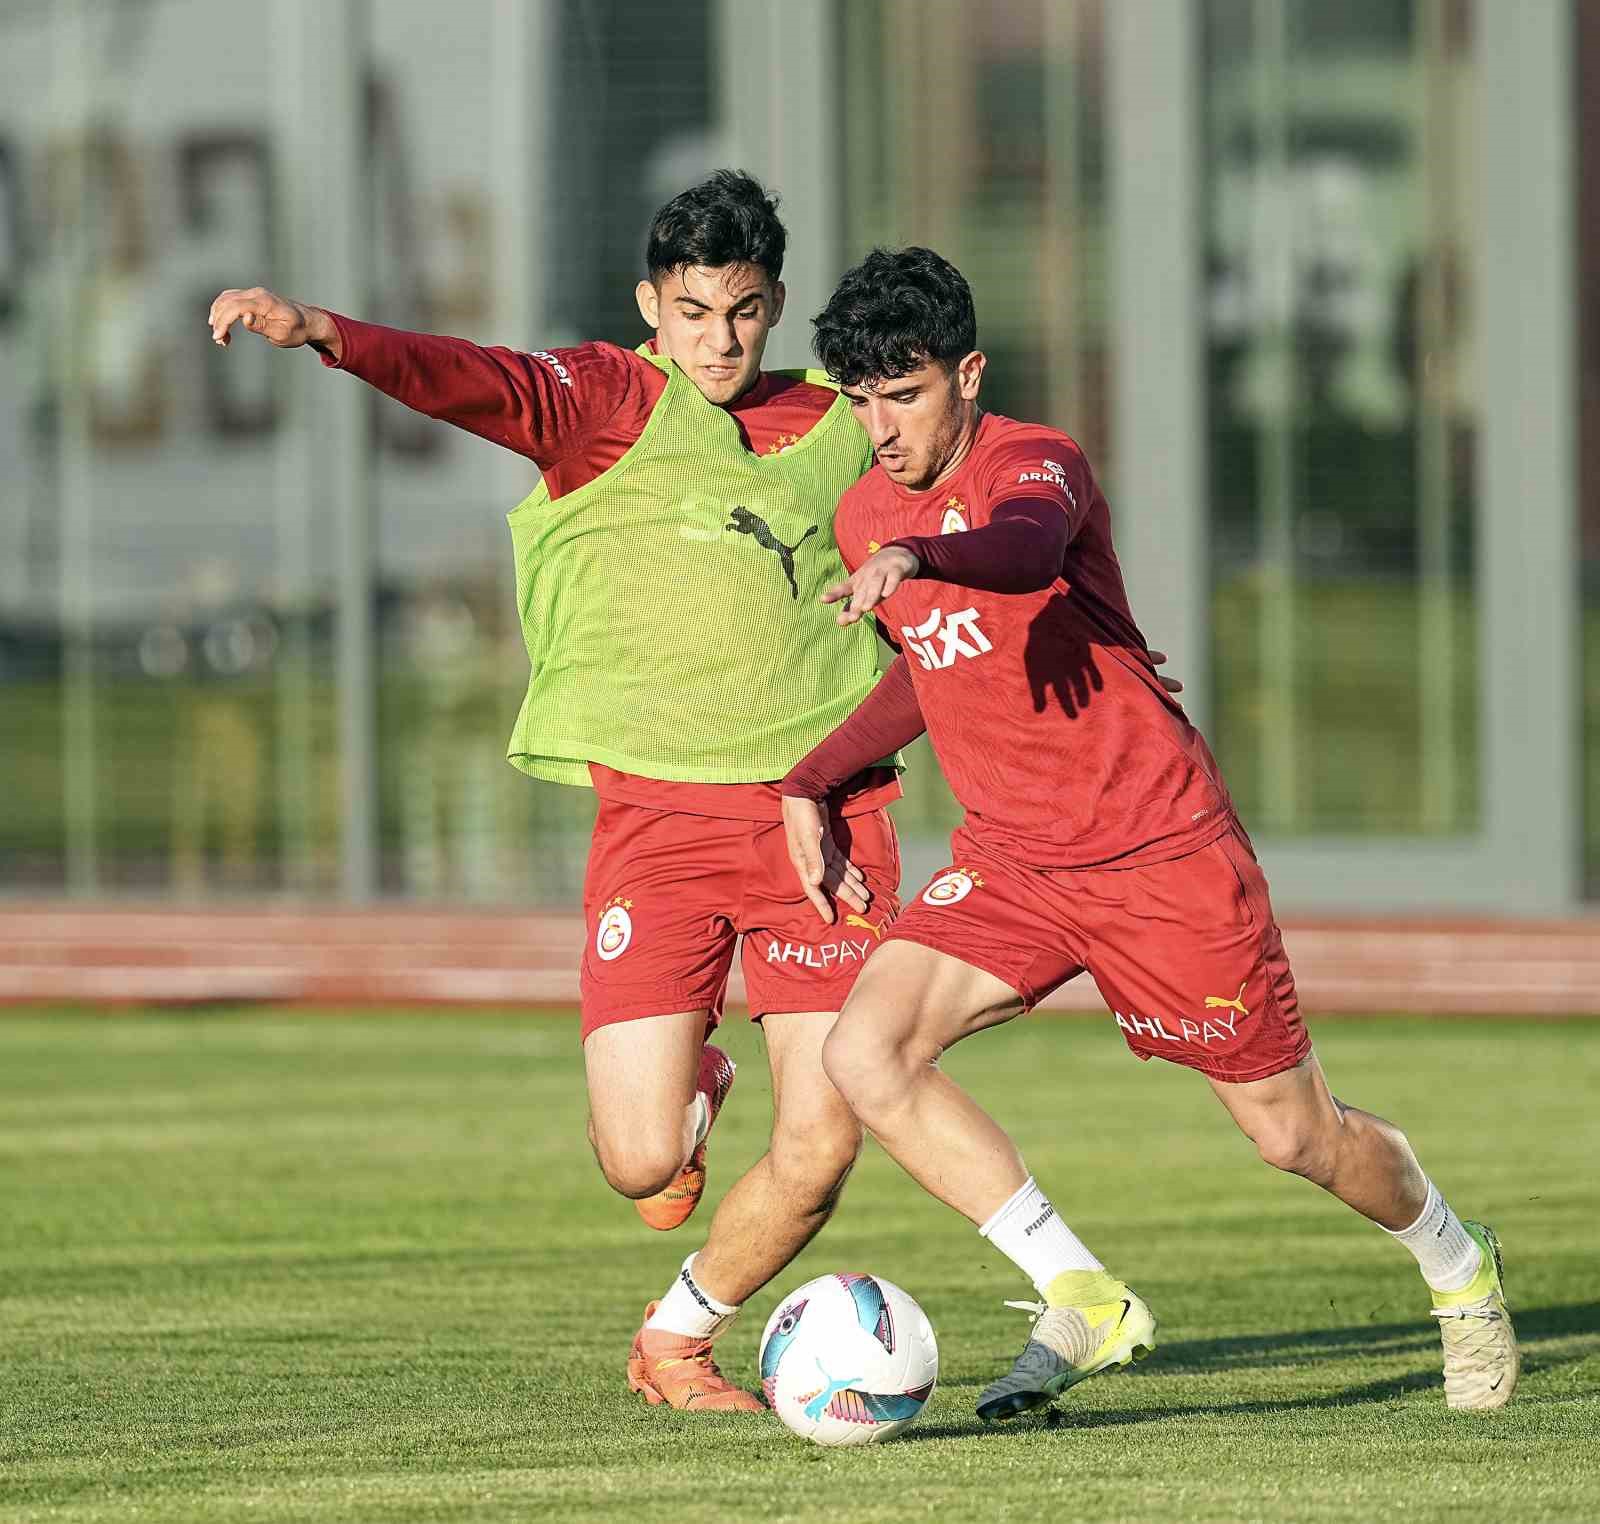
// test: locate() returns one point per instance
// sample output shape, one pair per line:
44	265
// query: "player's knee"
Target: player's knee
863	1063
844	1060
636	1167
1295	1148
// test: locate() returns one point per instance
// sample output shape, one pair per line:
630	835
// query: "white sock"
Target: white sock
702	1117
689	1309
1031	1234
1448	1254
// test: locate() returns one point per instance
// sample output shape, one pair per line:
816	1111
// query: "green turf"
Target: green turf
269	1266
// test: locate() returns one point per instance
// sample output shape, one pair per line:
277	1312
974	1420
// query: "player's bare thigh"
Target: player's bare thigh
641	1076
911	1002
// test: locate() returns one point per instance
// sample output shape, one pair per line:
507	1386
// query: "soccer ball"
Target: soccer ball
848	1360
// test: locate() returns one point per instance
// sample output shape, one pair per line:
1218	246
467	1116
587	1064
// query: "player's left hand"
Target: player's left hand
874	580
1171	684
818	863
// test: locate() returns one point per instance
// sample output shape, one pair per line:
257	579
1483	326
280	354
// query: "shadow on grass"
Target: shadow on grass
1536	1326
1078	1419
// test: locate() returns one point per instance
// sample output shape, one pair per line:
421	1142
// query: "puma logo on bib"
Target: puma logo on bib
743	521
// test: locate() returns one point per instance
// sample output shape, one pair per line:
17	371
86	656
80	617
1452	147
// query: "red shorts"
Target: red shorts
667	895
1185	953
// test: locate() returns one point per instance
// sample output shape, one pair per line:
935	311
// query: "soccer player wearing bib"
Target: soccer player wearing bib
669	571
1098	836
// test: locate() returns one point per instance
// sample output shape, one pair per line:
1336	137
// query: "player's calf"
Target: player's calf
1298	1126
810	1169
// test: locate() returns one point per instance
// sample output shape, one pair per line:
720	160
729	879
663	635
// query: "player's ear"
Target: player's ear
649	300
969	375
778	296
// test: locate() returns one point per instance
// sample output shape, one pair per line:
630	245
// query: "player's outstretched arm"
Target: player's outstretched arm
543	405
281	322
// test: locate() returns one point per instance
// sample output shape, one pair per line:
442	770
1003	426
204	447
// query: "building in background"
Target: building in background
1300	277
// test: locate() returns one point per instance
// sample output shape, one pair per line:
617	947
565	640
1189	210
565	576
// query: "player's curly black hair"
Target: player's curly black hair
898	309
729	218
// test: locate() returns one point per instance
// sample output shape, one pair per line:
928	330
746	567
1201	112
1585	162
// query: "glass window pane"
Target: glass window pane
1586	140
1342	413
165	647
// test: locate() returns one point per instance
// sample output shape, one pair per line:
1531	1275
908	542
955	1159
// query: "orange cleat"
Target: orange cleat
679	1371
671	1207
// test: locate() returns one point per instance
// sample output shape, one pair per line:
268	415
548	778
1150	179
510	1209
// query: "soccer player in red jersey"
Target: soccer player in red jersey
1098	836
679	869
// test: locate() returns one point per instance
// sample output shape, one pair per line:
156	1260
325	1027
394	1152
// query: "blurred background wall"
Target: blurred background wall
1303	278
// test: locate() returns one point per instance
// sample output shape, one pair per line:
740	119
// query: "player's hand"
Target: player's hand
818	863
874	580
1171	684
278	320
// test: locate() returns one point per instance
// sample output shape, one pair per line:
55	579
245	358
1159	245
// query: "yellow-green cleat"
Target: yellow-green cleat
1068	1345
1481	1359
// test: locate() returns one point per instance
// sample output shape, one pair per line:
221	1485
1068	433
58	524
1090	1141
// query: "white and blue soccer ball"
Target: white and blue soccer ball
848	1360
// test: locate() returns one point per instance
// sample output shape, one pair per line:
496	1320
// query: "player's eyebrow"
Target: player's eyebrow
899	394
683	299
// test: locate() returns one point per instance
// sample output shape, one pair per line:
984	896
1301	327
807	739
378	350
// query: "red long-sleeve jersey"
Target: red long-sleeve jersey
1043	706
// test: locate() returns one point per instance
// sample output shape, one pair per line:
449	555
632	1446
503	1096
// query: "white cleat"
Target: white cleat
1481	1359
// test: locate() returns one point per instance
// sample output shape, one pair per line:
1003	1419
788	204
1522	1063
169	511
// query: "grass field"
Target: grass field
302	1267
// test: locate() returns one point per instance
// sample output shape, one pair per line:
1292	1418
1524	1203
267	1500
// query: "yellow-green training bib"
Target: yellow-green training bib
670	608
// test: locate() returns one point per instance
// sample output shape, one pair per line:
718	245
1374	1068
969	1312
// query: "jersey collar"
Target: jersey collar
759	393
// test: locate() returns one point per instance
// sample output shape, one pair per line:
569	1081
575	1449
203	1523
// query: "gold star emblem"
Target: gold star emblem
873	547
956	503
